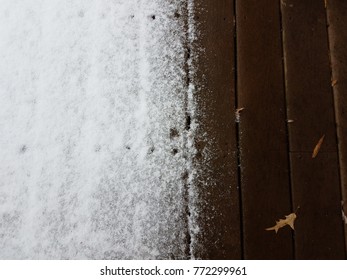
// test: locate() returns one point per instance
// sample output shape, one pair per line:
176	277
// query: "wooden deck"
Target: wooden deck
285	63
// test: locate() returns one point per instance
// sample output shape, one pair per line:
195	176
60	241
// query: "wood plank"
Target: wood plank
337	20
315	182
263	139
318	232
219	217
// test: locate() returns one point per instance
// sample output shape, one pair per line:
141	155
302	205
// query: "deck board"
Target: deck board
315	182
337	20
217	183
283	80
265	184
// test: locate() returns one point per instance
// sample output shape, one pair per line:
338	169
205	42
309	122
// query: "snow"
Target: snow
96	158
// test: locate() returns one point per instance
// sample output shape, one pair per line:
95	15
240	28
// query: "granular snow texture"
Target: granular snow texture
94	143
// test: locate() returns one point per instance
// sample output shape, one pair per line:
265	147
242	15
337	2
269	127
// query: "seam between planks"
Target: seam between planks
286	123
332	91
237	130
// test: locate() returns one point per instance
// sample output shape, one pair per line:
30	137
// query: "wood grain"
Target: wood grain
337	20
219	218
315	182
264	161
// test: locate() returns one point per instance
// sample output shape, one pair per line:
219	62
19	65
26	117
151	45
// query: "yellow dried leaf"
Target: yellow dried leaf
317	147
289	220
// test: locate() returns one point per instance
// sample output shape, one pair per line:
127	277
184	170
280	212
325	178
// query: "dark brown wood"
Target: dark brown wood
219	216
337	20
315	182
318	232
263	140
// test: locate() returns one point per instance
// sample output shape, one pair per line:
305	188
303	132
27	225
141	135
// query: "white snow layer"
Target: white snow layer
94	149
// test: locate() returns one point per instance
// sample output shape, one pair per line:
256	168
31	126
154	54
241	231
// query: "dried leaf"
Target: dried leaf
289	220
239	110
237	113
317	147
333	83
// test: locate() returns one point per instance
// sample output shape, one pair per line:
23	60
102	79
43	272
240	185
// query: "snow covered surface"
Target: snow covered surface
95	147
